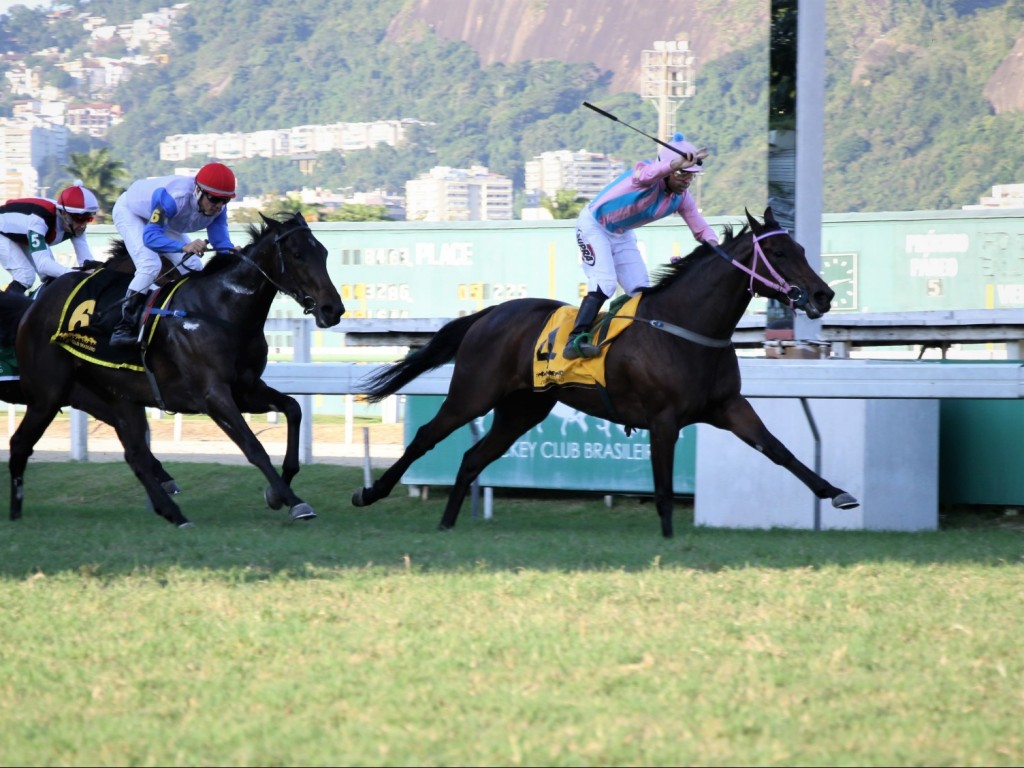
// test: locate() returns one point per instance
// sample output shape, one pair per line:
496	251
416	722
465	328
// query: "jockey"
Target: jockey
604	229
30	225
154	216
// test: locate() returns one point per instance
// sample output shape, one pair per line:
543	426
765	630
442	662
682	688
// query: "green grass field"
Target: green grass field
559	633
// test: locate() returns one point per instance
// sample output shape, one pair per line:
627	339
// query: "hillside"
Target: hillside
924	98
584	31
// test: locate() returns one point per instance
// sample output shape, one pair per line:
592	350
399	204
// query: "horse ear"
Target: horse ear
754	223
266	221
769	218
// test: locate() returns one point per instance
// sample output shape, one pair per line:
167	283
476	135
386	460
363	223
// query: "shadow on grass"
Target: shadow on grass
92	519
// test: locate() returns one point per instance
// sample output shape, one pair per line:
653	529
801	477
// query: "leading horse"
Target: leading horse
674	365
207	356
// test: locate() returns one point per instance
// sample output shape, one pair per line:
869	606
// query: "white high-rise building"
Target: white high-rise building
459	194
585	172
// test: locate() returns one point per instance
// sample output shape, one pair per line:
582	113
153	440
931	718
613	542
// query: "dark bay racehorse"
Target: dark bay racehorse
673	366
13	306
208	357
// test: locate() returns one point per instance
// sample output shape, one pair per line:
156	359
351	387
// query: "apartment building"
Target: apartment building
586	172
459	194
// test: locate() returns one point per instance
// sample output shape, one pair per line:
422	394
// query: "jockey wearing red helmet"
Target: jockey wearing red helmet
154	217
29	226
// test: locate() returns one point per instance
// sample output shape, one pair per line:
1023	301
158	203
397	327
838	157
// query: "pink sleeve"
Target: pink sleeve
701	230
646	174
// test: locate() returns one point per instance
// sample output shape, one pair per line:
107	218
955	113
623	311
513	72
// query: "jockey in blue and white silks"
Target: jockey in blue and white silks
154	217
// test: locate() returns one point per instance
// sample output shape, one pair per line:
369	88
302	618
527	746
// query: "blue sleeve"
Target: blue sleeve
217	232
162	209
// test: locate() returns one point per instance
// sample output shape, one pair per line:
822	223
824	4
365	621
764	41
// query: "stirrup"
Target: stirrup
580	346
124	338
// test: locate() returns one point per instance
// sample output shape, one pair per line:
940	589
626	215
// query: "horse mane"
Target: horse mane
667	275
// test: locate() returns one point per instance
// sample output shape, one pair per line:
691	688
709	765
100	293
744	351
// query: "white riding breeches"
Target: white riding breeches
14	258
147	262
609	258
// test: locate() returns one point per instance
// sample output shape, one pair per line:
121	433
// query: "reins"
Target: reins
306	301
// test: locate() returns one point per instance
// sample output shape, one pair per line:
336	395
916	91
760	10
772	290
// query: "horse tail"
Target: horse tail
439	350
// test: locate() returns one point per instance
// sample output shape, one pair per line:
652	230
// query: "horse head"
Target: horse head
299	269
782	270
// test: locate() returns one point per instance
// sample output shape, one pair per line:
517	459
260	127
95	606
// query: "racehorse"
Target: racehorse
674	365
13	306
206	355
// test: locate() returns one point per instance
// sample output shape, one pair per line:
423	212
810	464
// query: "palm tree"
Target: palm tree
566	205
102	174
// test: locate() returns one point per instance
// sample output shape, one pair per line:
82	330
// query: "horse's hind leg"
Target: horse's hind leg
513	416
37	418
452	415
739	417
129	421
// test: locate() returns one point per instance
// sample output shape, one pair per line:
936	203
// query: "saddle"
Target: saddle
93	308
550	369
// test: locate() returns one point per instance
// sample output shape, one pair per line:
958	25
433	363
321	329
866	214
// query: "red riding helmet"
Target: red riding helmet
77	200
216	179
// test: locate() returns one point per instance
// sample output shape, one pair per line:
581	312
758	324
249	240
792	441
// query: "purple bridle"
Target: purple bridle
797	296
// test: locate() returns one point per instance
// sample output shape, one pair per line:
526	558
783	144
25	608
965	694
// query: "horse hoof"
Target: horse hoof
443	527
845	501
357	498
272	499
302	511
186	524
171	487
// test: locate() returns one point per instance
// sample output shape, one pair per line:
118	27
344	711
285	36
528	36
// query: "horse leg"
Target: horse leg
37	418
452	415
663	436
263	398
129	421
738	416
513	417
223	409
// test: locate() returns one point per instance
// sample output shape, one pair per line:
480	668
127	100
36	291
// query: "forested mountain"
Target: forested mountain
910	122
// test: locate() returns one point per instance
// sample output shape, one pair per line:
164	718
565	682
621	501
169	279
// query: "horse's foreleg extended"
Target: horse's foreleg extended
262	398
512	418
664	434
739	417
223	409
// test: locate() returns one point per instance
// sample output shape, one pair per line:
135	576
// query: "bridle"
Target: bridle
796	295
307	302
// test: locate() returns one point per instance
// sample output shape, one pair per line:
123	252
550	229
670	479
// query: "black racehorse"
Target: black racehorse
673	366
208	356
13	306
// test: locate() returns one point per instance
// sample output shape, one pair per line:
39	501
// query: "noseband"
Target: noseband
796	296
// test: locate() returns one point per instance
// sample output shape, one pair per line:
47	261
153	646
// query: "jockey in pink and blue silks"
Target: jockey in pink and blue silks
604	230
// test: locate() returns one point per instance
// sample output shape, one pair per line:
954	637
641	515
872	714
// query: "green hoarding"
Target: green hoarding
569	450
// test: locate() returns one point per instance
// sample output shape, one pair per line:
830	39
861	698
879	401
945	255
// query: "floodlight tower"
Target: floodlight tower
667	80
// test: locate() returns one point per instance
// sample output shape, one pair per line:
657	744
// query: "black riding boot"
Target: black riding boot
126	332
15	287
585	318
